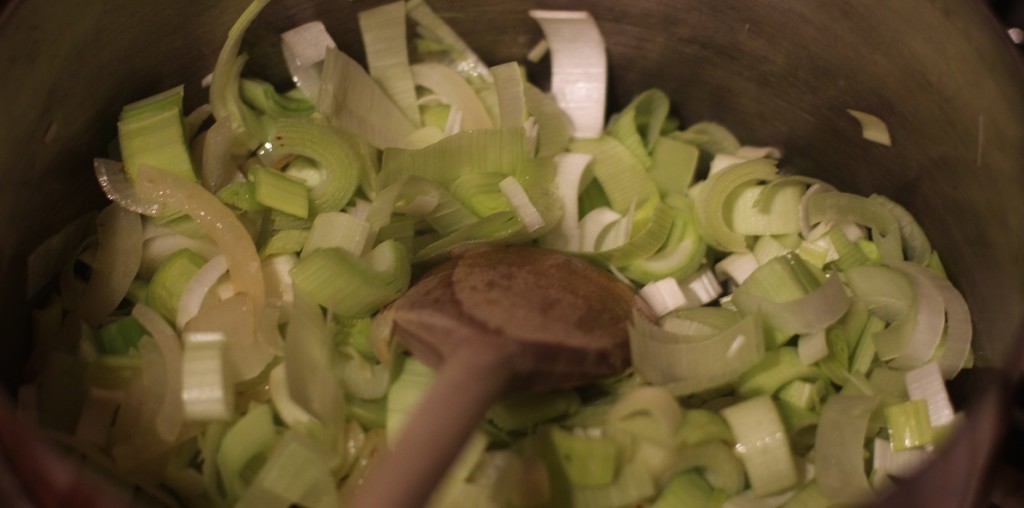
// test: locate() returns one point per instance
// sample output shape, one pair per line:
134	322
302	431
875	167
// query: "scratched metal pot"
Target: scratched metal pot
780	72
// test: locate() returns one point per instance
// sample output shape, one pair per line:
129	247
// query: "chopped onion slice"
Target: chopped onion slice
197	288
114	181
117	261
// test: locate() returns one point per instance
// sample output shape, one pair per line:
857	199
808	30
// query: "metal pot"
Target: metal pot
939	72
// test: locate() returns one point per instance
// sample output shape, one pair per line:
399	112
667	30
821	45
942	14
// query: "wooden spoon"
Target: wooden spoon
495	321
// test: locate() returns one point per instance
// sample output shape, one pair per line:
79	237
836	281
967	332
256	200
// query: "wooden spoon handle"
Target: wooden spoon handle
405	476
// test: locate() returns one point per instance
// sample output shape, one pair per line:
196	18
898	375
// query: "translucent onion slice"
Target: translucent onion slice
291	413
579	71
839	448
167	411
117	261
119	188
218	222
872	128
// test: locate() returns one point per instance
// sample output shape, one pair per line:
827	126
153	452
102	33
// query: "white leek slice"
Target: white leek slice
926	383
736	267
812	347
455	91
118	258
762	445
888	464
744	153
207	388
304	48
387	55
765	209
670	294
594	224
687	366
217	220
839	448
872	128
351	99
521	205
579	70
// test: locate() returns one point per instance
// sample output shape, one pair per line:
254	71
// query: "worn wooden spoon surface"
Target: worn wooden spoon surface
494	321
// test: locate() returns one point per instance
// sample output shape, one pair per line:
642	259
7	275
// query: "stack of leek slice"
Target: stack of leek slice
223	339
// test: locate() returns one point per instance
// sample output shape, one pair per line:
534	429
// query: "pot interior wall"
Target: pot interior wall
778	73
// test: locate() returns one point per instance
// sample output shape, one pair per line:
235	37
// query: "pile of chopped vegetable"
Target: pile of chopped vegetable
223	339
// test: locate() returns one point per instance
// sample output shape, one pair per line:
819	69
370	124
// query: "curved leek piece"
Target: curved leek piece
710	137
885	291
643	243
744	153
737	267
570	168
151	131
118	258
524	411
704	426
653	402
579	68
682	252
554	129
435	29
710	202
338	230
673	164
757	210
638	126
350	286
296	473
487	150
839	448
915	243
351	99
264	98
762	445
913	339
958	331
218	222
622	177
778	367
479	192
498	227
304	48
387	55
716	461
225	87
586	461
840	207
335	155
685	489
799	310
872	128
686	367
446	214
252	435
700	320
454	91
508	85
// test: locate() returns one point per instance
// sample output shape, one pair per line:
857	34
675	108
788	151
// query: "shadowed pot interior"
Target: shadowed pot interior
939	72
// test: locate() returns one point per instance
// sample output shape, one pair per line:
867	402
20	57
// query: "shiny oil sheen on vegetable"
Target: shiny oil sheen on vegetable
221	334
